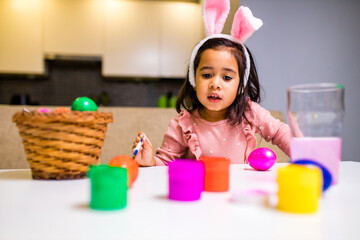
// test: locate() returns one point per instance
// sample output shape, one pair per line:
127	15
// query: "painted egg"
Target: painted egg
262	159
62	110
43	110
129	163
83	104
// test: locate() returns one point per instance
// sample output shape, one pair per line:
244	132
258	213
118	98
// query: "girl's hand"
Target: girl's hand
145	155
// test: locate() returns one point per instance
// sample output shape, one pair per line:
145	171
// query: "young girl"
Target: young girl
218	105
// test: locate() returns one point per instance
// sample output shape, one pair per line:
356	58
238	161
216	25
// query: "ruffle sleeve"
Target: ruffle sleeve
186	123
180	140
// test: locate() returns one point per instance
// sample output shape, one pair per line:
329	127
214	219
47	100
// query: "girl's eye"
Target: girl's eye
227	78
206	75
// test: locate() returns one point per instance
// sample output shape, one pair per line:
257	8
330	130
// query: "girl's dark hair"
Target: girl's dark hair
188	100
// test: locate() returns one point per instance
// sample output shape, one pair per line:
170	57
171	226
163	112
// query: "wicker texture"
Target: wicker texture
62	145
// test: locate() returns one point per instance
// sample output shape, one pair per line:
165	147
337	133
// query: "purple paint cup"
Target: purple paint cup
186	180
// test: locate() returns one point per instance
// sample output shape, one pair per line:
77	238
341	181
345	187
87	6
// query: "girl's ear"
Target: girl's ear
244	24
215	13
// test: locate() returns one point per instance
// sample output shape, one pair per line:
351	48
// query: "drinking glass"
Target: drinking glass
315	113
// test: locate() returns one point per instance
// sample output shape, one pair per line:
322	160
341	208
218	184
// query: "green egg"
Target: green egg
83	104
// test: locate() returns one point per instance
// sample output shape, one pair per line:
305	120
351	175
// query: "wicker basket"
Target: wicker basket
62	145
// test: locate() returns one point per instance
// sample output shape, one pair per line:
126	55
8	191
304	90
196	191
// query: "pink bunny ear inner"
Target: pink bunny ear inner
215	13
244	24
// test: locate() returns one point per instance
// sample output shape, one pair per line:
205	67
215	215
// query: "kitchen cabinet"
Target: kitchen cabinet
73	28
181	30
132	42
150	38
21	37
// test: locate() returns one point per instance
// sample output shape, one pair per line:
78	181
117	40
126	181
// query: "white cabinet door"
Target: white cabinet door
180	32
21	37
73	27
132	40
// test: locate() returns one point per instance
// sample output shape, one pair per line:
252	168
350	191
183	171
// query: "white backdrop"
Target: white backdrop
310	41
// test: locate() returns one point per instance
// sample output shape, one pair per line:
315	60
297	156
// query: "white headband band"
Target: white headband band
197	47
244	25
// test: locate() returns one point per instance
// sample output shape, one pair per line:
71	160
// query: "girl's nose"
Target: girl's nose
215	83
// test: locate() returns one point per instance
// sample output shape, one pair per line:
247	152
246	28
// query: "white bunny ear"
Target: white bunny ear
215	13
244	24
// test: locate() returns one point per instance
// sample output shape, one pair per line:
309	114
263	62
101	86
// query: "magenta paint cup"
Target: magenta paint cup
186	180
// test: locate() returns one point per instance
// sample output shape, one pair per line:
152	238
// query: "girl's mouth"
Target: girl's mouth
213	97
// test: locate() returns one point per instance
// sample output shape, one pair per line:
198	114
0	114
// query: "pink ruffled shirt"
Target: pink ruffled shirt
189	136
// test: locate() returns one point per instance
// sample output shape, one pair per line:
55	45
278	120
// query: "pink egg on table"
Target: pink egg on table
262	159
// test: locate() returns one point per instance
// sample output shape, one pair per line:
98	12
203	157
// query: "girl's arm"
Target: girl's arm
272	129
174	146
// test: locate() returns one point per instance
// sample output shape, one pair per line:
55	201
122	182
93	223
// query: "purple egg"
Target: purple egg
262	159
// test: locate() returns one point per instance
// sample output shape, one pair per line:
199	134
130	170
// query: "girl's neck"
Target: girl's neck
212	116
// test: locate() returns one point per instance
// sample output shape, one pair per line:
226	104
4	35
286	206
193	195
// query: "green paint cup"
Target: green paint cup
108	187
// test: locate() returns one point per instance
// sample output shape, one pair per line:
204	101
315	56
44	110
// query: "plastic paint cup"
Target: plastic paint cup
108	187
250	196
325	173
216	174
299	188
186	180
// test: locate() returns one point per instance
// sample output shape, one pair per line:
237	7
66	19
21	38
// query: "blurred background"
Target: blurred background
120	53
131	53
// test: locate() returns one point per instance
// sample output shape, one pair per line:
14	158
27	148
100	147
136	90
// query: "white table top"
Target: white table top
38	209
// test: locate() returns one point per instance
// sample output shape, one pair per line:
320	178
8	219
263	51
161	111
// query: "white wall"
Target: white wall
310	41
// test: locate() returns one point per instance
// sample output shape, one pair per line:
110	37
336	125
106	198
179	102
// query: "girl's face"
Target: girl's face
217	81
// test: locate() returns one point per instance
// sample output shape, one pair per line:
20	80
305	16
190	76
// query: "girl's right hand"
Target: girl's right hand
145	155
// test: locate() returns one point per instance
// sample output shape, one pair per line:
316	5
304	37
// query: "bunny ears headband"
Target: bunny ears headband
244	25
